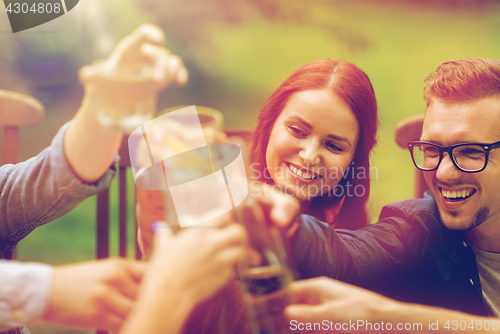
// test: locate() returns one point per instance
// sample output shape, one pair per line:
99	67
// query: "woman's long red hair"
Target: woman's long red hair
353	86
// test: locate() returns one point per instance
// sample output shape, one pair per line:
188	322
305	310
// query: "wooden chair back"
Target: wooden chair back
102	209
407	130
16	110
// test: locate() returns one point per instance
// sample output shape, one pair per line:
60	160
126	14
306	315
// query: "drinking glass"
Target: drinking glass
265	274
199	178
125	95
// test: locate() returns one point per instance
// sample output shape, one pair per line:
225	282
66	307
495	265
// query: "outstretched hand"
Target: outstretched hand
199	259
322	298
345	308
92	295
184	269
143	45
282	209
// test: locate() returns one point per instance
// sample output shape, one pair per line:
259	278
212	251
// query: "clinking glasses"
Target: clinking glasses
468	157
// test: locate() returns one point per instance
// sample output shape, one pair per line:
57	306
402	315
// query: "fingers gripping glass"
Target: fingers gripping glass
468	157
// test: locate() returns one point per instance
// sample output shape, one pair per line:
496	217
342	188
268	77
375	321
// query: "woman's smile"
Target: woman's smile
302	173
315	133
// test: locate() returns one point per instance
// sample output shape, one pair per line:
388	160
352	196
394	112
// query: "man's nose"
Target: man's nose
447	171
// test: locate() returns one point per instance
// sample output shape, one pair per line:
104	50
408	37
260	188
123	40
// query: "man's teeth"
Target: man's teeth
456	194
300	173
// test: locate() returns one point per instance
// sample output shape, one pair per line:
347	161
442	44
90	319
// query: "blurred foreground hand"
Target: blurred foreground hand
184	269
90	148
143	45
344	308
280	209
94	295
323	298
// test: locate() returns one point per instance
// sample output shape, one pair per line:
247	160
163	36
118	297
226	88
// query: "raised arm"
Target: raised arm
89	148
77	164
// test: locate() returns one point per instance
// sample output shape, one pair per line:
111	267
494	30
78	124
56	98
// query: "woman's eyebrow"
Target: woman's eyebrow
301	120
344	139
309	126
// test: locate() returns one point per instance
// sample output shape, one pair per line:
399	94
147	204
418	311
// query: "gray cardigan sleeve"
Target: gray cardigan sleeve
40	190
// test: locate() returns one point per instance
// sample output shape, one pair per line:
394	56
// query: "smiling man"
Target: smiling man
443	250
465	181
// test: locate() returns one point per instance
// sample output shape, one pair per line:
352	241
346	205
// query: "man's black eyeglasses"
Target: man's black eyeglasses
468	157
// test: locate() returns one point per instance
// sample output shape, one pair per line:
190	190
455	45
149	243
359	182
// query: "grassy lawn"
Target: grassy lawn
397	48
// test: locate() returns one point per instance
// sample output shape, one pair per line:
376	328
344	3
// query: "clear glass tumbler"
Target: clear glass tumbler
125	95
265	274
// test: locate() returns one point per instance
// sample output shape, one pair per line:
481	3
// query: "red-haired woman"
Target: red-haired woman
313	140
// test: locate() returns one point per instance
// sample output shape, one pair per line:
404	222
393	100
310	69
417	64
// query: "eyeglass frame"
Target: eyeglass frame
448	149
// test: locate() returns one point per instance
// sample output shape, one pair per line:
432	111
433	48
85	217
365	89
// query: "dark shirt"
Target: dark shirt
408	255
